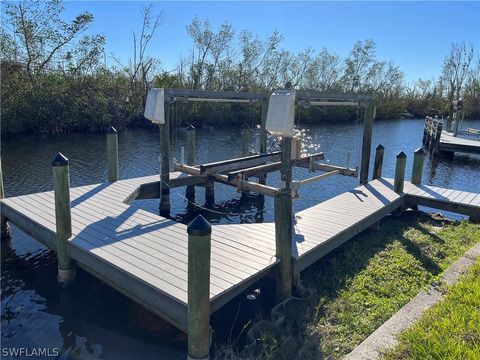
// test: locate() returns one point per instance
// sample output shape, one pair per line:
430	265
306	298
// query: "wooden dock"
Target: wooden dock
139	253
439	140
452	144
323	227
144	255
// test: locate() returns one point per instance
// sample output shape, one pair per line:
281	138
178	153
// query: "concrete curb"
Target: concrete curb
385	336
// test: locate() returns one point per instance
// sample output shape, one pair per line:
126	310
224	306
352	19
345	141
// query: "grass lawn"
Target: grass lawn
356	288
450	329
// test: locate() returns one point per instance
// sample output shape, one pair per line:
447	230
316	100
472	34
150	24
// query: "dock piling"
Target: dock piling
438	136
262	179
63	218
425	131
199	249
5	227
418	159
283	225
190	192
210	192
190	157
246	140
450	119
283	241
400	172
164	206
112	154
458	120
368	116
182	155
377	167
263	127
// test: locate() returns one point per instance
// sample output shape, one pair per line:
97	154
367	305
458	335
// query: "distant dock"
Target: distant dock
451	144
438	140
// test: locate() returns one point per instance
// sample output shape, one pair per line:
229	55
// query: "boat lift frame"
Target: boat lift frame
243	167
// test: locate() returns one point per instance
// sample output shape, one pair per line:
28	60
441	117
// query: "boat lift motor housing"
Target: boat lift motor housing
155	106
281	113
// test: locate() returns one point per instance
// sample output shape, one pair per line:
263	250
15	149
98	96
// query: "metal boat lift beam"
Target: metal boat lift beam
312	96
207	95
329	103
185	99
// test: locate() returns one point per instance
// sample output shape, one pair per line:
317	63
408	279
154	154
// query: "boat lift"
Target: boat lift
236	172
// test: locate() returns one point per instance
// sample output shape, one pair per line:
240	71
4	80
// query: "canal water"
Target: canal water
91	321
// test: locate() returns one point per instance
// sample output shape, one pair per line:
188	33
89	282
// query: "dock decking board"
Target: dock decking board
182	255
144	246
450	143
370	203
145	256
463	202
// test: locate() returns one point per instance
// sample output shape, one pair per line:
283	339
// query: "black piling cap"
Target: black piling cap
111	130
60	160
402	155
419	151
191	127
199	227
380	147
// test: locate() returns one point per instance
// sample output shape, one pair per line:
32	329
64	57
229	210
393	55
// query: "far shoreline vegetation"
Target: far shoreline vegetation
55	79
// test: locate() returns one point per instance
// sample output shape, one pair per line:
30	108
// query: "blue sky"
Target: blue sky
415	35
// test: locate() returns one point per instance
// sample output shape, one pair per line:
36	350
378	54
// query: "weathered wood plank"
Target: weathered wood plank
249	236
333	217
246	185
445	205
159	255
